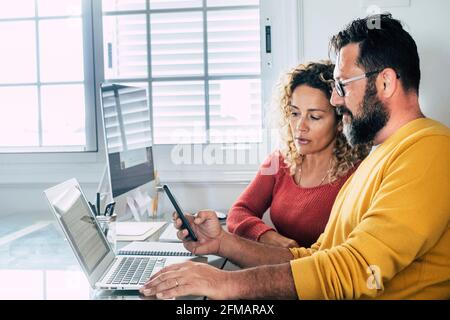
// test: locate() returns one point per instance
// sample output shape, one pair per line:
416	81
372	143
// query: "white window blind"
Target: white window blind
177	44
125	46
127	118
200	59
46	78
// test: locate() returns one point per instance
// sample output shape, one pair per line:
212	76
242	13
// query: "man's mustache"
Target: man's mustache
341	110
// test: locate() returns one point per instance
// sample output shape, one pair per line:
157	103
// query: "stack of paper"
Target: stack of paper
169	234
136	231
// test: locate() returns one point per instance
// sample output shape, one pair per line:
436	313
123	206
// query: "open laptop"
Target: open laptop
102	267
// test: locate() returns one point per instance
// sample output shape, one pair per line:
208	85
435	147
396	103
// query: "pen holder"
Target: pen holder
107	225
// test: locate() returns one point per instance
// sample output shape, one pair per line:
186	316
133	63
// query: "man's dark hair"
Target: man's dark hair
383	43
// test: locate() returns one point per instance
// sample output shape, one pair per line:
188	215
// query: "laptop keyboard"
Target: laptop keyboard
135	270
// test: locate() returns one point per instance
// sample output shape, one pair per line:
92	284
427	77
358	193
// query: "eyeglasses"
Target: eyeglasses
339	85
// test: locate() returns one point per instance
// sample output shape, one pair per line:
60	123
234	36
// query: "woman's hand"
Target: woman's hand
276	239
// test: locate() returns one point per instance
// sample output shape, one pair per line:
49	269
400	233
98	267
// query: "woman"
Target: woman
312	167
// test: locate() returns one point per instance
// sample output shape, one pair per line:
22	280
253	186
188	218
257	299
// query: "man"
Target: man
388	236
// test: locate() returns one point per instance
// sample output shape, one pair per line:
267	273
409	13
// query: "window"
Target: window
194	66
43	108
200	60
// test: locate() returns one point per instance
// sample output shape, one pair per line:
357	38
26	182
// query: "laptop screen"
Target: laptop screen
79	223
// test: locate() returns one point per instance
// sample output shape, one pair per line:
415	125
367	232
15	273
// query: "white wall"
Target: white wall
427	21
24	177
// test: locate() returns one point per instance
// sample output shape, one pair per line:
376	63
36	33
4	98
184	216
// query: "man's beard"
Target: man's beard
374	116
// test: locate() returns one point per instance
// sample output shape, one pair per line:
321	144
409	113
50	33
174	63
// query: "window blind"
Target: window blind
201	61
127	119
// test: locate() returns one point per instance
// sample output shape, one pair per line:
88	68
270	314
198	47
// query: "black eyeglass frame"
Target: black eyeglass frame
340	84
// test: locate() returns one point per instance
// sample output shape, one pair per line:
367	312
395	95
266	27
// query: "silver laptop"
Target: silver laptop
102	267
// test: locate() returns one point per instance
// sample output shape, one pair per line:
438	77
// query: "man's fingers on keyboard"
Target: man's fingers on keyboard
152	277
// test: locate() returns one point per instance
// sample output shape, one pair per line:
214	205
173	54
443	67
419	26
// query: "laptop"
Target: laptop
102	267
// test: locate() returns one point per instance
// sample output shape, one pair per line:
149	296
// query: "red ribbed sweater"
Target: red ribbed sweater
297	213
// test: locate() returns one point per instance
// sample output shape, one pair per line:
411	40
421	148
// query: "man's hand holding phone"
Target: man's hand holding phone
200	234
207	228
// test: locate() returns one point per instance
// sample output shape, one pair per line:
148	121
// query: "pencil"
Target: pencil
155	198
155	205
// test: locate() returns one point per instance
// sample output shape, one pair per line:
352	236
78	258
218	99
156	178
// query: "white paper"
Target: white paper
170	234
132	207
143	202
137	228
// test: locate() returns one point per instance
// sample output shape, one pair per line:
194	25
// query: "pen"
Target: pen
98	203
112	209
93	208
109	208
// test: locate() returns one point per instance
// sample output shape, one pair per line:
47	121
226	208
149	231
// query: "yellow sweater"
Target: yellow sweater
388	236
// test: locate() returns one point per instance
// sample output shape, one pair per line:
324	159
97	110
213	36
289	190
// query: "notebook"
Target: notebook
136	231
154	249
101	266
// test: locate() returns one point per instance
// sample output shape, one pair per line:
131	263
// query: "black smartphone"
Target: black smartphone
186	224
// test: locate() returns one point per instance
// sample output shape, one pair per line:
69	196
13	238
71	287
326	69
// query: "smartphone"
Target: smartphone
186	224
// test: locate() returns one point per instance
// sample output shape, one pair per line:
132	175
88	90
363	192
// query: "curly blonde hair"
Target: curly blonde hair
318	75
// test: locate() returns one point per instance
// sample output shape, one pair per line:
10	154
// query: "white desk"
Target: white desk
36	262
